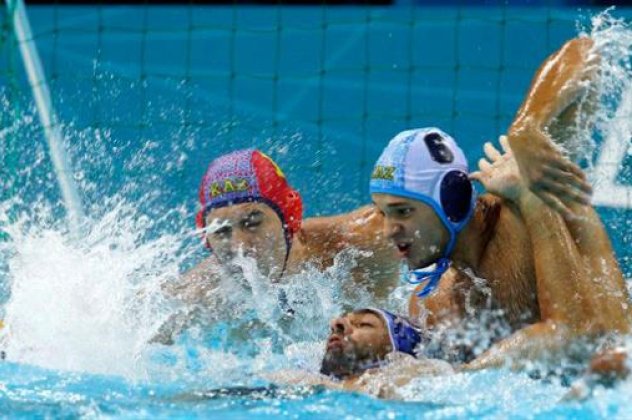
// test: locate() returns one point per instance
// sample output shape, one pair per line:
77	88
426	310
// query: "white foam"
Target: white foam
613	41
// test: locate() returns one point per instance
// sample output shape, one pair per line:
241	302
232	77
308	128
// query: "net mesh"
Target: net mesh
320	88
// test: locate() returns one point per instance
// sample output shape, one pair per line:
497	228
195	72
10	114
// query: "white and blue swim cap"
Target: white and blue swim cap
427	165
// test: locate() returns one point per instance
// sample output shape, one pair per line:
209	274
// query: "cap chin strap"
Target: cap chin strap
288	247
430	275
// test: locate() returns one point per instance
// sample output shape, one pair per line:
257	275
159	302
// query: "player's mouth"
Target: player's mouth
403	249
334	342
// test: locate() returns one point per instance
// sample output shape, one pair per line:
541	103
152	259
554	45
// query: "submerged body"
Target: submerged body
371	351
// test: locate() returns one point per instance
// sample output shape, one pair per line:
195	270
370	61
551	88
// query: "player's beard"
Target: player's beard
342	364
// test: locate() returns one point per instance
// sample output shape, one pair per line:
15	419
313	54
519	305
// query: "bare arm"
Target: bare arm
569	306
569	254
360	228
564	314
560	82
384	382
195	291
387	382
535	342
325	237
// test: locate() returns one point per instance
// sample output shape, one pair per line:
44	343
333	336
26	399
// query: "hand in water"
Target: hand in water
398	371
557	181
499	173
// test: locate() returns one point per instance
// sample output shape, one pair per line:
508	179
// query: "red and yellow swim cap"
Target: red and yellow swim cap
247	176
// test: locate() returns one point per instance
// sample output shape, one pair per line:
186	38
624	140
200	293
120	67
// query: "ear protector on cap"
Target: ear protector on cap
456	195
454	188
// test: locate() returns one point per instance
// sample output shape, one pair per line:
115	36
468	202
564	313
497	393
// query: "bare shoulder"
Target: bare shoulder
360	232
318	241
364	227
441	304
344	221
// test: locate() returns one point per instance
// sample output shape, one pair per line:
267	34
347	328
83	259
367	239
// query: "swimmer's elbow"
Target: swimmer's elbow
582	58
581	45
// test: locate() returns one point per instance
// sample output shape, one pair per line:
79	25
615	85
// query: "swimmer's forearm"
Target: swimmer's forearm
299	377
533	342
172	327
562	80
196	286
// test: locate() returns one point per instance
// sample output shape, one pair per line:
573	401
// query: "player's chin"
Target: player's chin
415	261
334	363
337	352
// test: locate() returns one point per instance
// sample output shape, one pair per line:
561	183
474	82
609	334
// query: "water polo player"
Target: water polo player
422	185
369	350
247	207
247	204
361	340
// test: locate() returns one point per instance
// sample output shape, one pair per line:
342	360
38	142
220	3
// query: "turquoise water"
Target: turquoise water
148	96
29	391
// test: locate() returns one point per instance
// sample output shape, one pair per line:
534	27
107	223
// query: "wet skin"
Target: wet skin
359	357
413	227
256	230
253	229
554	277
357	340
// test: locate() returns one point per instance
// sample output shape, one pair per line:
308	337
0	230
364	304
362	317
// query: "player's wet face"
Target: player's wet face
356	341
253	229
414	228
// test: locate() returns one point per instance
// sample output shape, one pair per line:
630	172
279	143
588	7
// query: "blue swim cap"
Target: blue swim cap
426	164
405	336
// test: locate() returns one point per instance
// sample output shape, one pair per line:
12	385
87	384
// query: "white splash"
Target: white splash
613	119
85	306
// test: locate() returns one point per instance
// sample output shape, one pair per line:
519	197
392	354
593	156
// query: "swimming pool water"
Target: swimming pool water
148	96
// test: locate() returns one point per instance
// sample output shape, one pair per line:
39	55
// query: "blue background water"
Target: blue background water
320	89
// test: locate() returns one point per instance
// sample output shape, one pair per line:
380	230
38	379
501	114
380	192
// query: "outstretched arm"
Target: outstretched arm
581	291
196	291
322	238
572	304
561	82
